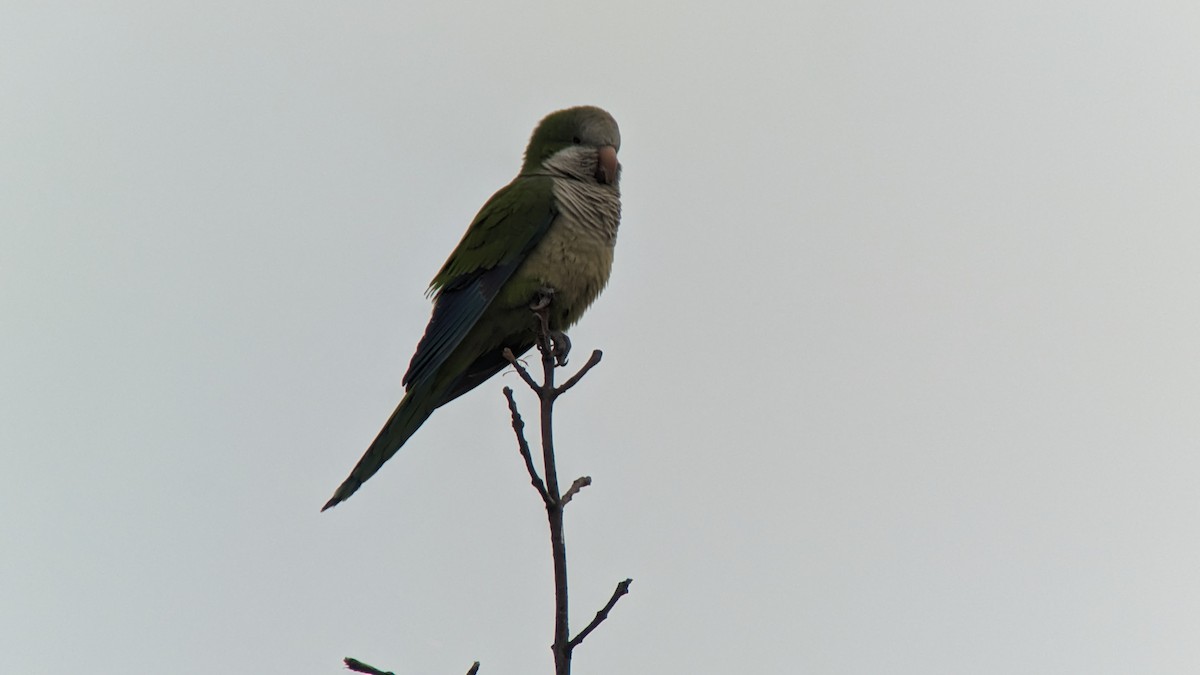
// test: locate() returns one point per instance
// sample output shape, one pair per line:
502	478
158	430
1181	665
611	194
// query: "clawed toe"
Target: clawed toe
554	342
542	299
561	346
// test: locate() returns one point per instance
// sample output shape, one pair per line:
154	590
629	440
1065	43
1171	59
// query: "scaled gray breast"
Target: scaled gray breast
590	210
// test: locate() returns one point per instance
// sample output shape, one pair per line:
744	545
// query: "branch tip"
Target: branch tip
591	363
360	667
516	364
622	589
518	426
579	484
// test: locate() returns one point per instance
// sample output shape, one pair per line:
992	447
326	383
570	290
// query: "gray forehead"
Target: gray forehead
600	128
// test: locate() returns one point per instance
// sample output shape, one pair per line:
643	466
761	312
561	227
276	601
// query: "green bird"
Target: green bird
543	242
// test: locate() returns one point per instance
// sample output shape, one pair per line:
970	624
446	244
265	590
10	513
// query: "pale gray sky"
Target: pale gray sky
902	343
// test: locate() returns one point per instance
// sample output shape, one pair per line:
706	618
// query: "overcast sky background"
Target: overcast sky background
902	344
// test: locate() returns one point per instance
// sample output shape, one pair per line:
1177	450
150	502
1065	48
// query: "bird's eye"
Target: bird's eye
576	140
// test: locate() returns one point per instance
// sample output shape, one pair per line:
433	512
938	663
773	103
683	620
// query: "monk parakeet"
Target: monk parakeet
545	241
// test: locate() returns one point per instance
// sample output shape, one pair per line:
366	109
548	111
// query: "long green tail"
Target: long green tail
414	409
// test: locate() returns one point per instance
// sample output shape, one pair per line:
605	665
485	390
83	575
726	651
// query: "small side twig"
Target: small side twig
519	428
359	666
622	589
579	484
591	363
516	364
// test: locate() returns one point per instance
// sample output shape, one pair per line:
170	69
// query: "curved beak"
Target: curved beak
606	165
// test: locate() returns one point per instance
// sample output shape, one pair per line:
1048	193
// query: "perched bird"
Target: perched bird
545	242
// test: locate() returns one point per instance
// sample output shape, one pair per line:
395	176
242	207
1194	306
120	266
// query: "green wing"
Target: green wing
508	226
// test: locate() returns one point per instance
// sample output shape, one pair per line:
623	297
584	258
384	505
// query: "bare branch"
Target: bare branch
622	589
359	666
516	364
591	363
519	428
578	485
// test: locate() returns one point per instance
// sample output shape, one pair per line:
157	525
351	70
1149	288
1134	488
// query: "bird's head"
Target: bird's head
580	143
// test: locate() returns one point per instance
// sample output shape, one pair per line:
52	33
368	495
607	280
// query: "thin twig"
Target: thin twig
554	510
578	485
591	363
518	426
359	666
622	589
516	364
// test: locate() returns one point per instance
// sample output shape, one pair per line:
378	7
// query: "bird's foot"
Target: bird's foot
541	309
553	342
561	346
542	299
